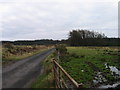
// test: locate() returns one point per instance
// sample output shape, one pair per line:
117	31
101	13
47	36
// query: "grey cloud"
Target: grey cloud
55	20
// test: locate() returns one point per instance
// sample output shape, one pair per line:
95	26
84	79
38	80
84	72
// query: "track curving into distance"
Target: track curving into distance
22	73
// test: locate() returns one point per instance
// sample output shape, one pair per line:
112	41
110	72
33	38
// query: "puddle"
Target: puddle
115	72
99	78
110	86
113	69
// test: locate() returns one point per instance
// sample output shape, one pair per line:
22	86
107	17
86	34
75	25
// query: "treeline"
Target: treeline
36	42
91	38
76	38
96	42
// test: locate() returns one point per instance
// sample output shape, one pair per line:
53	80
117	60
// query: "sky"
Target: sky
54	19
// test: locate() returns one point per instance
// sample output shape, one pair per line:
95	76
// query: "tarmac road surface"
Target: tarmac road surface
22	73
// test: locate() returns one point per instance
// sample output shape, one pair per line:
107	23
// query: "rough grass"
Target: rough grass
18	57
46	80
20	52
85	62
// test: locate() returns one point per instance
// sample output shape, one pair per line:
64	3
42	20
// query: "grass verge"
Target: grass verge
46	80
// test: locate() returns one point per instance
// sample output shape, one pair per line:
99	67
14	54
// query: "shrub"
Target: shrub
61	49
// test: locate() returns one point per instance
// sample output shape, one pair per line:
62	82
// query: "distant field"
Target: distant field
93	66
17	52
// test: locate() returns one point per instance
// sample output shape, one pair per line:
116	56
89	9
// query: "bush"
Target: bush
61	49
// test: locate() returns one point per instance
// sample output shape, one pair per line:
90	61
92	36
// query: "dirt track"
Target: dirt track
22	73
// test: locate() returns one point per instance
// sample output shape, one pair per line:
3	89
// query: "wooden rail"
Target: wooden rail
61	76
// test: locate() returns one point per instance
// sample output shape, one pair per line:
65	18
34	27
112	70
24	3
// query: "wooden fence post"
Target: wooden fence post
54	72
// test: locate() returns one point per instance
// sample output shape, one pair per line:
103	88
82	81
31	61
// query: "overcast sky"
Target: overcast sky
53	19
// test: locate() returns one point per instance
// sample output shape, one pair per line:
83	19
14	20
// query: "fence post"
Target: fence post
54	72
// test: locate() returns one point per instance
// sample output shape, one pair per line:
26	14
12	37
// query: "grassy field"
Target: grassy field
91	65
18	52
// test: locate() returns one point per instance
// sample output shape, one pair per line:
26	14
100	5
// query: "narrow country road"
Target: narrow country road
22	73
